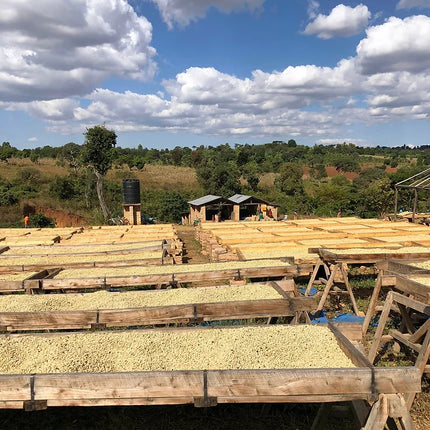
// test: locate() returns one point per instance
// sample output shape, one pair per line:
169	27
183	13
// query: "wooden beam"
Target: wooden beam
349	349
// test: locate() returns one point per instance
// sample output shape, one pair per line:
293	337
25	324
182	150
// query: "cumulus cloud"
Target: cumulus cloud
313	7
182	12
342	21
409	4
51	49
388	79
397	45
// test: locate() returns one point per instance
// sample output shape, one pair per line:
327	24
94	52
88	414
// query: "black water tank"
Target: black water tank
131	191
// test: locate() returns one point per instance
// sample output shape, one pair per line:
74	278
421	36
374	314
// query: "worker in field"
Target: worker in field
27	221
295	214
339	213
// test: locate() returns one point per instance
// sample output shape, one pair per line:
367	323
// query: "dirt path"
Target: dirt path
192	248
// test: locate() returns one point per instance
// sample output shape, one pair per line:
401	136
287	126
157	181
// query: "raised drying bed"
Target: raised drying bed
372	255
103	278
115	309
204	366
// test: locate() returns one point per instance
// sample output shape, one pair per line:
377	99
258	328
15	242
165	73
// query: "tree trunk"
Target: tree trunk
99	187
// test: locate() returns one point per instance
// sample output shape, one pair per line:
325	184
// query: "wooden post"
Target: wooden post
330	283
381	325
415	205
373	302
314	275
389	405
349	288
395	203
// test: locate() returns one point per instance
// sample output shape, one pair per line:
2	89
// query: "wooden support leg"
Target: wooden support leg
397	409
313	277
389	405
372	304
378	415
327	288
326	270
406	319
381	325
421	363
349	288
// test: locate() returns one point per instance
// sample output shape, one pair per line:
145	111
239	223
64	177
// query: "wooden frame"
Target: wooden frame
418	339
209	387
389	276
192	312
103	282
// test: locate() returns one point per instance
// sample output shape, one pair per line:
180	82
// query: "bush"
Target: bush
40	220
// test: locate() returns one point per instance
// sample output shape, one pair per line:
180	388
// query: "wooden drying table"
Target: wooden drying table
40	283
338	263
287	305
205	388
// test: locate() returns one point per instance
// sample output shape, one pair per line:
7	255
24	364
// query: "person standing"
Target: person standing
27	221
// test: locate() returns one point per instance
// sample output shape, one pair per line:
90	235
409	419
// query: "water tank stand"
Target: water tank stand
133	213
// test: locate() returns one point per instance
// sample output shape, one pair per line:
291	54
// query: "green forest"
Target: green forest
314	181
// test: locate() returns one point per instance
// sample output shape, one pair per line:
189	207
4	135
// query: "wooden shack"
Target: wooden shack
208	208
249	207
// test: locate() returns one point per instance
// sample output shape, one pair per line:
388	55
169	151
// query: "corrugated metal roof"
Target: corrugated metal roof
204	200
239	198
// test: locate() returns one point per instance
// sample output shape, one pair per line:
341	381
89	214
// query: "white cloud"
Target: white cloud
409	4
396	45
51	49
182	12
307	100
32	139
313	7
342	21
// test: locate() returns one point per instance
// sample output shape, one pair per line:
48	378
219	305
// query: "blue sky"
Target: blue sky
166	73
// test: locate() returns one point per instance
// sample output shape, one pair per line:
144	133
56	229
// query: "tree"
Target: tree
70	153
379	196
97	153
290	180
173	206
346	163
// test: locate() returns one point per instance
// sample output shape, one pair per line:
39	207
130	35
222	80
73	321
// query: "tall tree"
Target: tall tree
97	153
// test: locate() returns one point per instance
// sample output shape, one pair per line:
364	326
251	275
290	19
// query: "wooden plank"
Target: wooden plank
11	286
418	290
303	382
411	303
146	316
292	398
47	320
134	401
349	349
401	337
85	386
244	309
388	280
19	404
381	325
373	302
14	388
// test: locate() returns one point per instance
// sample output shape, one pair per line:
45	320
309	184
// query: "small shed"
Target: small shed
249	207
208	208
